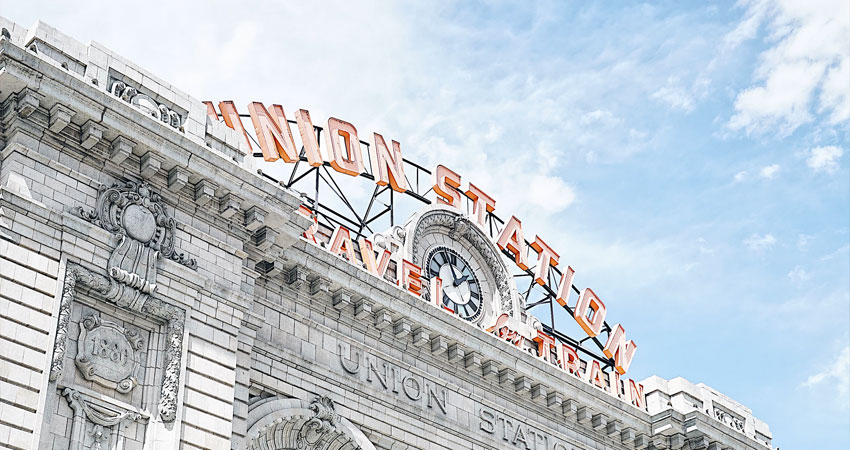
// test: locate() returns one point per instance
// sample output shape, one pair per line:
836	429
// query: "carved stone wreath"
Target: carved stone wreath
174	318
460	226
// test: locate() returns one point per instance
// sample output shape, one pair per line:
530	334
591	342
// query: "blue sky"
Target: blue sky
690	160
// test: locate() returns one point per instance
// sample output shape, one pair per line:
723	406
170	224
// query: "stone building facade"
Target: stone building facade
156	293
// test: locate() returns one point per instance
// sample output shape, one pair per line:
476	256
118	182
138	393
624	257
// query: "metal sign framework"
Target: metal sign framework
314	184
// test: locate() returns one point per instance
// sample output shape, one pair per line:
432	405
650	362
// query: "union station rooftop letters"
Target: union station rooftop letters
177	274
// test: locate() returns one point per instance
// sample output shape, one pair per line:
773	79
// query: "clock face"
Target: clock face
461	289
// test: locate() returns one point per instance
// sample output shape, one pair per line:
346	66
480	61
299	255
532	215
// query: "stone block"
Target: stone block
383	319
177	178
28	102
613	427
583	414
439	345
60	117
362	310
341	299
627	435
149	164
121	149
229	205
455	353
421	337
254	218
522	384
264	238
401	328
92	134
598	421
472	359
554	400
204	192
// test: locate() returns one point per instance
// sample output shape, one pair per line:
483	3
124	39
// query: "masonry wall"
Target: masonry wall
245	314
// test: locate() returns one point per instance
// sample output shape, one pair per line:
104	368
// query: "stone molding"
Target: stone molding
107	421
174	318
282	424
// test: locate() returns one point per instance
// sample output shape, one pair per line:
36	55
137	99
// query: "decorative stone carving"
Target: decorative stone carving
147	104
728	418
106	430
144	231
324	421
174	318
108	354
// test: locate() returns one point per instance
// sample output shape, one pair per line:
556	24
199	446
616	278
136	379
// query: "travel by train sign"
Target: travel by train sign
452	279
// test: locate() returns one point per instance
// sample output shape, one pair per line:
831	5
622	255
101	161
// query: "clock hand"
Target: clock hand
461	280
454	274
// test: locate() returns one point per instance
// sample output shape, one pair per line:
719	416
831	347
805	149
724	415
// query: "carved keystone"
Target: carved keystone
229	205
92	134
421	336
204	192
598	421
28	101
177	178
60	117
149	164
121	149
254	218
456	353
439	345
522	384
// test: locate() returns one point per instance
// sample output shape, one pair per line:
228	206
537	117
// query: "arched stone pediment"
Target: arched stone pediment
289	424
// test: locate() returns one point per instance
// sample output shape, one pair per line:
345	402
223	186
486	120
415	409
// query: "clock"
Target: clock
461	288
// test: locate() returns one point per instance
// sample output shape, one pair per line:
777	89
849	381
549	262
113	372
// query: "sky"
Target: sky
688	159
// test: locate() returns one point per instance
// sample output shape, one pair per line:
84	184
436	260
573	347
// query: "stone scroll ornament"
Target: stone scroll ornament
144	231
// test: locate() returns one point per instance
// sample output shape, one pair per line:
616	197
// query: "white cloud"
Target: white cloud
837	373
808	63
803	241
758	243
675	96
770	171
740	176
798	275
825	159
